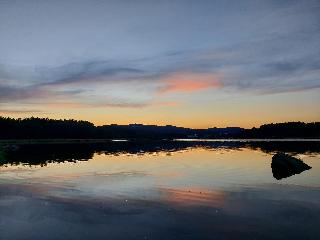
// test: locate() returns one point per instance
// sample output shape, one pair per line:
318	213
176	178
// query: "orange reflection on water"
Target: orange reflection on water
194	196
193	175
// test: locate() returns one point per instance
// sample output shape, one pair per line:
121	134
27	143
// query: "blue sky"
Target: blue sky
225	62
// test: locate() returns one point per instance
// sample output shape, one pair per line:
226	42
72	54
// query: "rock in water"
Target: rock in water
284	165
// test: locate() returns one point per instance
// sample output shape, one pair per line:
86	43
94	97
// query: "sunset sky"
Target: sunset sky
188	63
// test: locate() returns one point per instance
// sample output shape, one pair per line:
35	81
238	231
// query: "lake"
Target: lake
158	190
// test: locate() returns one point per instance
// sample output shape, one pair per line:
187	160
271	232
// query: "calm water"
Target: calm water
164	190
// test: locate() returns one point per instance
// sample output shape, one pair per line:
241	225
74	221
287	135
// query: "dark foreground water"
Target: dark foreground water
158	190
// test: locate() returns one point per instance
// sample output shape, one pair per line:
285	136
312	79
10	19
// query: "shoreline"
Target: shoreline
66	141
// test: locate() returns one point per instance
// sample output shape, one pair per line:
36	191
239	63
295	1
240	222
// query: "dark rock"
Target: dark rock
284	165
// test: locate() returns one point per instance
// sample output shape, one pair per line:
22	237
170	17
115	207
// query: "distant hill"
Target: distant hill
44	128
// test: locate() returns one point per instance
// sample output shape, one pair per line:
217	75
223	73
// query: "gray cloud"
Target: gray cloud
266	47
9	93
82	72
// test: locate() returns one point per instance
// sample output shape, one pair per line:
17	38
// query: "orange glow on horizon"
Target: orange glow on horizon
244	122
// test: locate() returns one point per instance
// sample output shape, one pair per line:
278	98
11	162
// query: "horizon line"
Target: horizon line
155	125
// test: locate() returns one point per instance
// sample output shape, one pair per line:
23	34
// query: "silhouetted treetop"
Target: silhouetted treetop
45	128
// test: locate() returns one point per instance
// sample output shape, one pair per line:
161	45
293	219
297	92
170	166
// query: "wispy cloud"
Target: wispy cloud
19	111
100	104
87	72
14	93
267	48
188	82
9	93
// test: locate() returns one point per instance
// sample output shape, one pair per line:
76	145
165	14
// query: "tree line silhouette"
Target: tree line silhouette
45	128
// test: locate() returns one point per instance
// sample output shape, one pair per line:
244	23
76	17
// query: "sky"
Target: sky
191	63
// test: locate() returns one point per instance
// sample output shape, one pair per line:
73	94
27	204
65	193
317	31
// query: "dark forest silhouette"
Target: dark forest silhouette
44	128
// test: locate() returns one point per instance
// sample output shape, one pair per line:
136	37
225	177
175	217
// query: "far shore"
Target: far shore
66	141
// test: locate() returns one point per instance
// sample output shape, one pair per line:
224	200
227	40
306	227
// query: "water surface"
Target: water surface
158	190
